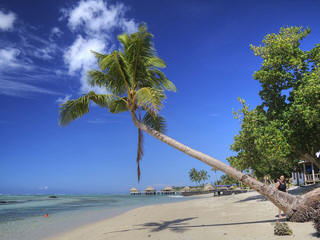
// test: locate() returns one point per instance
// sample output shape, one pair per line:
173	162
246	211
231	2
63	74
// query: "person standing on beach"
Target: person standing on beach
281	186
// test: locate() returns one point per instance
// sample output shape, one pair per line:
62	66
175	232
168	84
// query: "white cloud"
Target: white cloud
79	58
9	59
19	58
129	26
7	20
59	72
94	22
18	89
45	53
61	100
96	16
78	55
55	32
39	47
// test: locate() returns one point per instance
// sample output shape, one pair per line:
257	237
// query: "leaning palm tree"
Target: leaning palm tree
134	83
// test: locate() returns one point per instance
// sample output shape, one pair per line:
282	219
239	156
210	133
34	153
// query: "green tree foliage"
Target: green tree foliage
204	175
194	176
225	180
284	128
198	176
133	82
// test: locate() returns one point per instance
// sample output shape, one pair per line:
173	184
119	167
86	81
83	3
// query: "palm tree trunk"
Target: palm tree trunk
288	203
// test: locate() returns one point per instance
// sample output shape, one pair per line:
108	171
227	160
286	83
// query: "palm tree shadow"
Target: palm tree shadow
177	225
256	197
180	225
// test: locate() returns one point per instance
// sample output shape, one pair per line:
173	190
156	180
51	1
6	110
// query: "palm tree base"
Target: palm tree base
308	209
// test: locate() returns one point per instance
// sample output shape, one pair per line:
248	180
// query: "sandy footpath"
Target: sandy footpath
243	216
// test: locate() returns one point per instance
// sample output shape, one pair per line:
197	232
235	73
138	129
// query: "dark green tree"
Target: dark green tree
226	180
204	175
194	176
284	128
198	176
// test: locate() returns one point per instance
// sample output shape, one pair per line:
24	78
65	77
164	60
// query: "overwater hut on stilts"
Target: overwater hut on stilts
167	191
134	191
150	191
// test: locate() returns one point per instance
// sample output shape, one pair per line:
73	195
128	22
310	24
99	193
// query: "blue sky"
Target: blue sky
44	55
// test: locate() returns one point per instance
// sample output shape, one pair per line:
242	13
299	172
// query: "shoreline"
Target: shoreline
242	216
67	213
109	213
123	211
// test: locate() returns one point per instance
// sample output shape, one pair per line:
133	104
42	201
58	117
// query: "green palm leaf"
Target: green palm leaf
74	109
150	97
113	75
118	105
155	62
155	122
159	80
100	79
99	56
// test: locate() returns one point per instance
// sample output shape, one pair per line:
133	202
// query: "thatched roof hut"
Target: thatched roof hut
134	190
208	187
150	190
186	189
167	189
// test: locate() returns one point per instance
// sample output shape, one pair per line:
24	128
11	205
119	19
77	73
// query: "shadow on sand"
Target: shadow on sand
181	225
256	197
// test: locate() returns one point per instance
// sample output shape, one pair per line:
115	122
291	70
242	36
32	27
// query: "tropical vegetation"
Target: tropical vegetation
226	180
133	82
284	128
198	176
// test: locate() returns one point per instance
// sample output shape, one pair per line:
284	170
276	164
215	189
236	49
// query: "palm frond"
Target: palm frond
100	79
118	105
168	85
156	62
113	75
103	100
99	56
124	39
106	61
155	121
74	109
159	79
125	64
150	97
138	49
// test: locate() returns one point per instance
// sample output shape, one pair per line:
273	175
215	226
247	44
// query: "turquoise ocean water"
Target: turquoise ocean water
22	216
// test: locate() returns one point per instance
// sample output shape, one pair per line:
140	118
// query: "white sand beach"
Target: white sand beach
243	216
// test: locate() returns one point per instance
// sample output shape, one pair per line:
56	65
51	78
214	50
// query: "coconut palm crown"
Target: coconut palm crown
134	82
